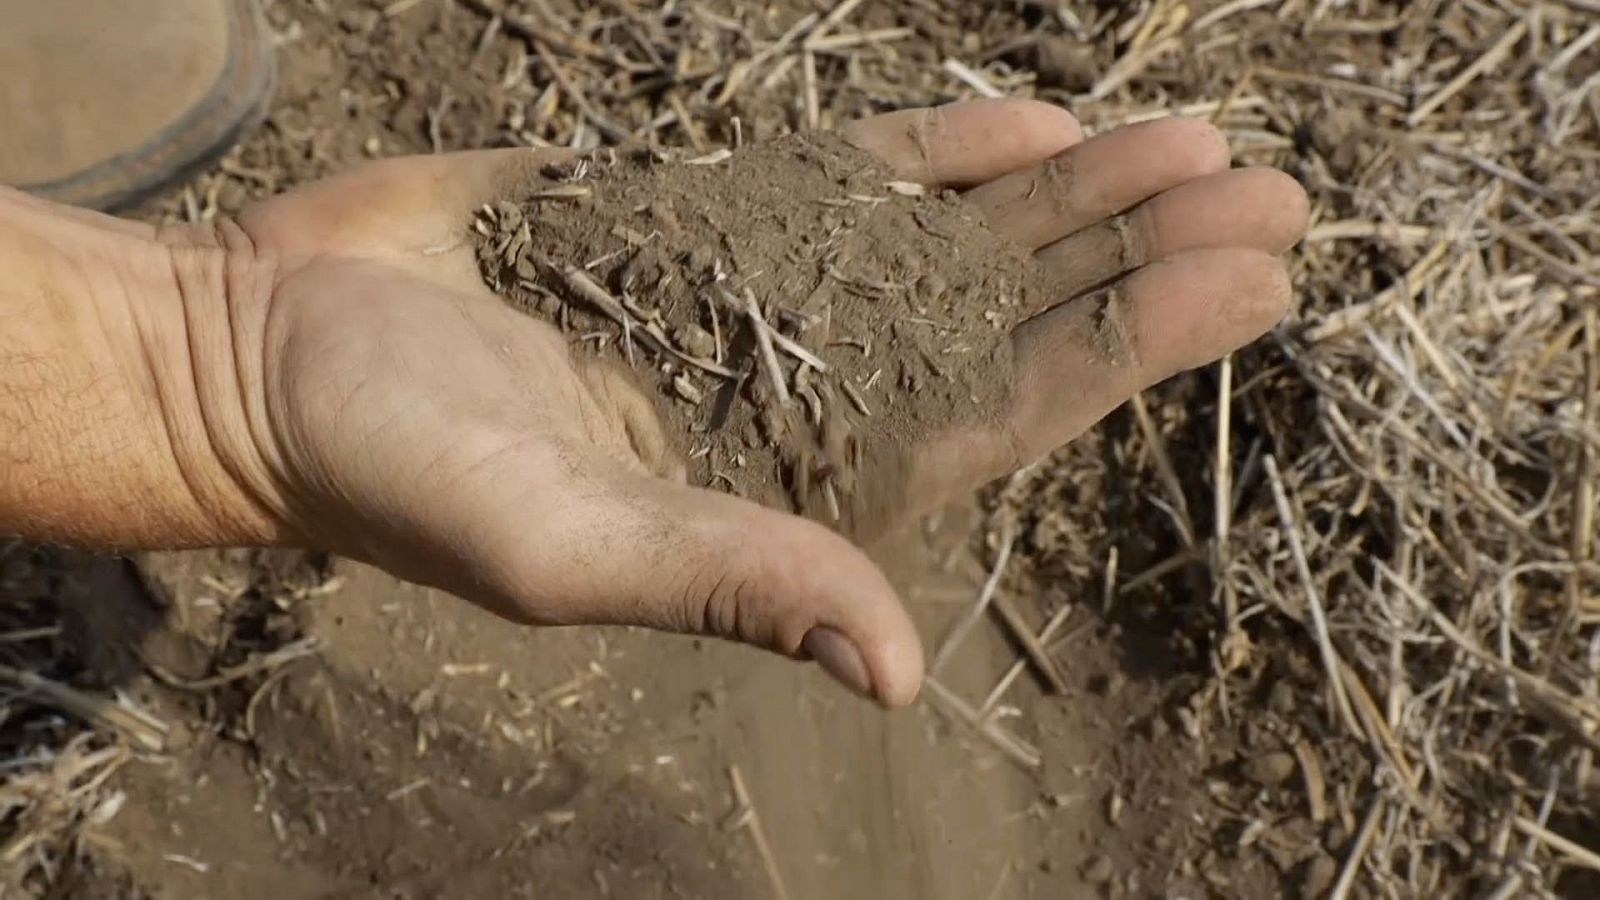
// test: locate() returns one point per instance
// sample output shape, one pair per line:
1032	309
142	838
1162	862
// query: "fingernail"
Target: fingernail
838	656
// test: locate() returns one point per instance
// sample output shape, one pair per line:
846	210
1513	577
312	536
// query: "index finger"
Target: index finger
966	144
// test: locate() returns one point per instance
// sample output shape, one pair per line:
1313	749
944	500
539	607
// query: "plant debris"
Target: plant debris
744	296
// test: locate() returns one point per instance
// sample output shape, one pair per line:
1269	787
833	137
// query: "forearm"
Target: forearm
109	335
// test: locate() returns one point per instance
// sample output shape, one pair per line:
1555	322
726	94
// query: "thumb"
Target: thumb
637	550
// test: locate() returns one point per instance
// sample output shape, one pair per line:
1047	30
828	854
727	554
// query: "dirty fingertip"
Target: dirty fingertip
837	655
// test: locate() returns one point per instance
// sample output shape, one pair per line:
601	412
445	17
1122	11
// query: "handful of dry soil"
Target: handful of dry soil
802	319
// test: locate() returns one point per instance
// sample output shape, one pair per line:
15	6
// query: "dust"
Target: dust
802	320
1059	172
1113	334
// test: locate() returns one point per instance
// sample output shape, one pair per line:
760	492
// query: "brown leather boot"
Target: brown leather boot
105	102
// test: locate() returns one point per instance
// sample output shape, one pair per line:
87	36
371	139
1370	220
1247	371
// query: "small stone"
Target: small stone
1271	769
686	389
1100	870
695	341
774	427
508	214
1065	62
360	21
702	259
1319	875
642	272
1281	698
663	213
231	196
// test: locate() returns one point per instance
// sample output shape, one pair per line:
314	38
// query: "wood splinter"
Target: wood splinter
579	282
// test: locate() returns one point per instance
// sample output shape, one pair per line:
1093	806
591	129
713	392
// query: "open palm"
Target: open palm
401	414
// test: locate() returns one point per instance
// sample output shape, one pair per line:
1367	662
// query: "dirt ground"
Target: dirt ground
331	732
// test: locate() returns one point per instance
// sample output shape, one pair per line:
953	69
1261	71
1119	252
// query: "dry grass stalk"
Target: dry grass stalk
1023	753
143	729
1046	634
769	357
1318	618
1316	783
264	662
1573	851
1479	66
1169	475
745	814
974	614
1033	649
1358	852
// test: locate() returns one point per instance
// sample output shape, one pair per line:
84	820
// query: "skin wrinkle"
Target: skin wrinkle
224	289
185	263
641	428
282	343
458	481
251	277
171	431
101	388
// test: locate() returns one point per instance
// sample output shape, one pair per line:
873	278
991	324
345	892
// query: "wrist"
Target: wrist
204	348
122	385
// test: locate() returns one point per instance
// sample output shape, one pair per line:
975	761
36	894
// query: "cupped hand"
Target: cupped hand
400	413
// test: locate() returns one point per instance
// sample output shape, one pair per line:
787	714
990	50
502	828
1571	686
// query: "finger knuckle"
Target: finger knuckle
926	133
1137	237
720	594
1204	145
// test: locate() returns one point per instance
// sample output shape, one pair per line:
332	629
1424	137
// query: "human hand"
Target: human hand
395	410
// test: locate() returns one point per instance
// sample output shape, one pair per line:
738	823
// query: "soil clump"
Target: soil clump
800	318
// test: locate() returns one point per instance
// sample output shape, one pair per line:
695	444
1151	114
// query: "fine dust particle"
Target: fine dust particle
764	295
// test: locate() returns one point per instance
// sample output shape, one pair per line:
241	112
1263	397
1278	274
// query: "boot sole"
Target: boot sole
232	109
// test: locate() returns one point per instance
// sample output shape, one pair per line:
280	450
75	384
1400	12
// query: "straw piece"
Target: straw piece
751	819
144	729
1319	619
1015	748
975	613
1488	60
1572	850
769	357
